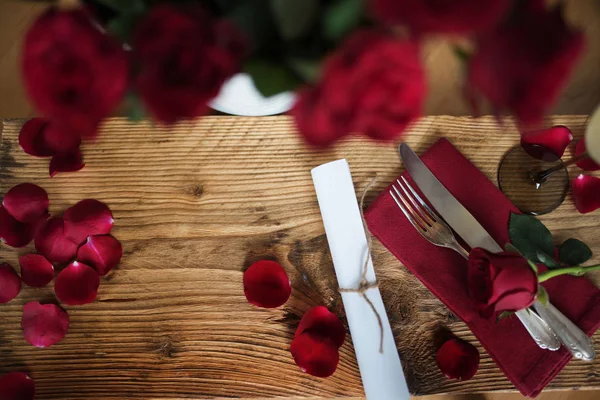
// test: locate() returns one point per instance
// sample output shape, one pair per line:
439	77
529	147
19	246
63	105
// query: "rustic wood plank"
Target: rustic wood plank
195	204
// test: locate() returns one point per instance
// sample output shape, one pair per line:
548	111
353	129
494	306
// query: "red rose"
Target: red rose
185	57
456	16
500	282
74	73
374	84
523	64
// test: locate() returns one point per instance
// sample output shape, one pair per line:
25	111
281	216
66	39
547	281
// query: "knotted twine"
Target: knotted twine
364	284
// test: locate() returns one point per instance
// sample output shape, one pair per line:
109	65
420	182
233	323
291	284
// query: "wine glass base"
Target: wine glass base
515	181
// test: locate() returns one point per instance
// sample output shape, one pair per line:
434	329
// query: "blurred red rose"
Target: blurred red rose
457	16
185	57
373	84
500	282
523	64
74	73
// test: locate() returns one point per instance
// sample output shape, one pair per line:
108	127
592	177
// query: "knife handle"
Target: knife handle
574	339
539	330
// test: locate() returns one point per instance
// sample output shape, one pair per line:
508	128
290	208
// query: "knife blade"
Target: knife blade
471	231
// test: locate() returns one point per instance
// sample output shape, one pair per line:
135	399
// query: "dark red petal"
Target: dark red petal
87	218
51	241
586	164
31	138
102	253
44	324
77	284
266	284
458	359
16	386
26	202
586	193
552	141
61	140
10	283
36	271
323	323
314	355
69	162
13	232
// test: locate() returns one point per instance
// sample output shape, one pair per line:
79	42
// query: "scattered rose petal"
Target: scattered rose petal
61	140
16	386
26	202
10	283
87	218
69	162
77	284
322	323
586	193
44	324
547	144
458	359
315	355
31	138
587	164
13	232
36	271
51	241
266	284
102	253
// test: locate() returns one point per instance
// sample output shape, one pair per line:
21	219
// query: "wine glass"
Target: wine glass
537	185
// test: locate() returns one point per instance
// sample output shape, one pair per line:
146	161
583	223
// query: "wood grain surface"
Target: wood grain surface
195	205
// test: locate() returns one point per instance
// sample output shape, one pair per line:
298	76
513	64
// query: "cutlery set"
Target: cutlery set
546	325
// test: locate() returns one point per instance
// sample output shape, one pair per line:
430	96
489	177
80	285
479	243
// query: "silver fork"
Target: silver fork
433	228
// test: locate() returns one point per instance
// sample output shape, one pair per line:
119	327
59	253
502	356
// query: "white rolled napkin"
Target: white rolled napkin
381	373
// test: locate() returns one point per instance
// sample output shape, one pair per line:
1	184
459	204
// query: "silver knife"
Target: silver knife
471	231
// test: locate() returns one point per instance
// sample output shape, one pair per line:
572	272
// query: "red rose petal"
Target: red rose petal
102	253
87	218
586	164
31	138
323	323
266	284
51	241
553	142
77	284
314	355
60	139
26	202
69	162
10	283
36	271
458	359
13	232
44	324
586	193
16	386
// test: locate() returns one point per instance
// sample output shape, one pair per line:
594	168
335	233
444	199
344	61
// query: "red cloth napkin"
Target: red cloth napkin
443	271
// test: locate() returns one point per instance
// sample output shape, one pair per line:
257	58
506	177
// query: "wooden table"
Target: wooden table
194	206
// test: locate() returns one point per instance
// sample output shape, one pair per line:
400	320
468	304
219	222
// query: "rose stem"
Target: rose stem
577	271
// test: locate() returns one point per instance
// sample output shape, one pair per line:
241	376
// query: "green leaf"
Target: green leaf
308	69
341	17
574	252
530	236
547	260
533	266
542	296
294	18
511	249
505	314
134	108
271	78
255	18
129	6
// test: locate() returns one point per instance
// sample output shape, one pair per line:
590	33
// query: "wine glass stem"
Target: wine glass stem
539	178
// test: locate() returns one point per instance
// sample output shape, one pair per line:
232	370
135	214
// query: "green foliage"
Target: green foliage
533	266
308	69
547	259
134	108
531	237
505	314
574	252
124	23
342	17
271	78
542	296
294	18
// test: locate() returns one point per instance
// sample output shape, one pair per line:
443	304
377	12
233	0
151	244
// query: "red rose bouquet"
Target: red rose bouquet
355	64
